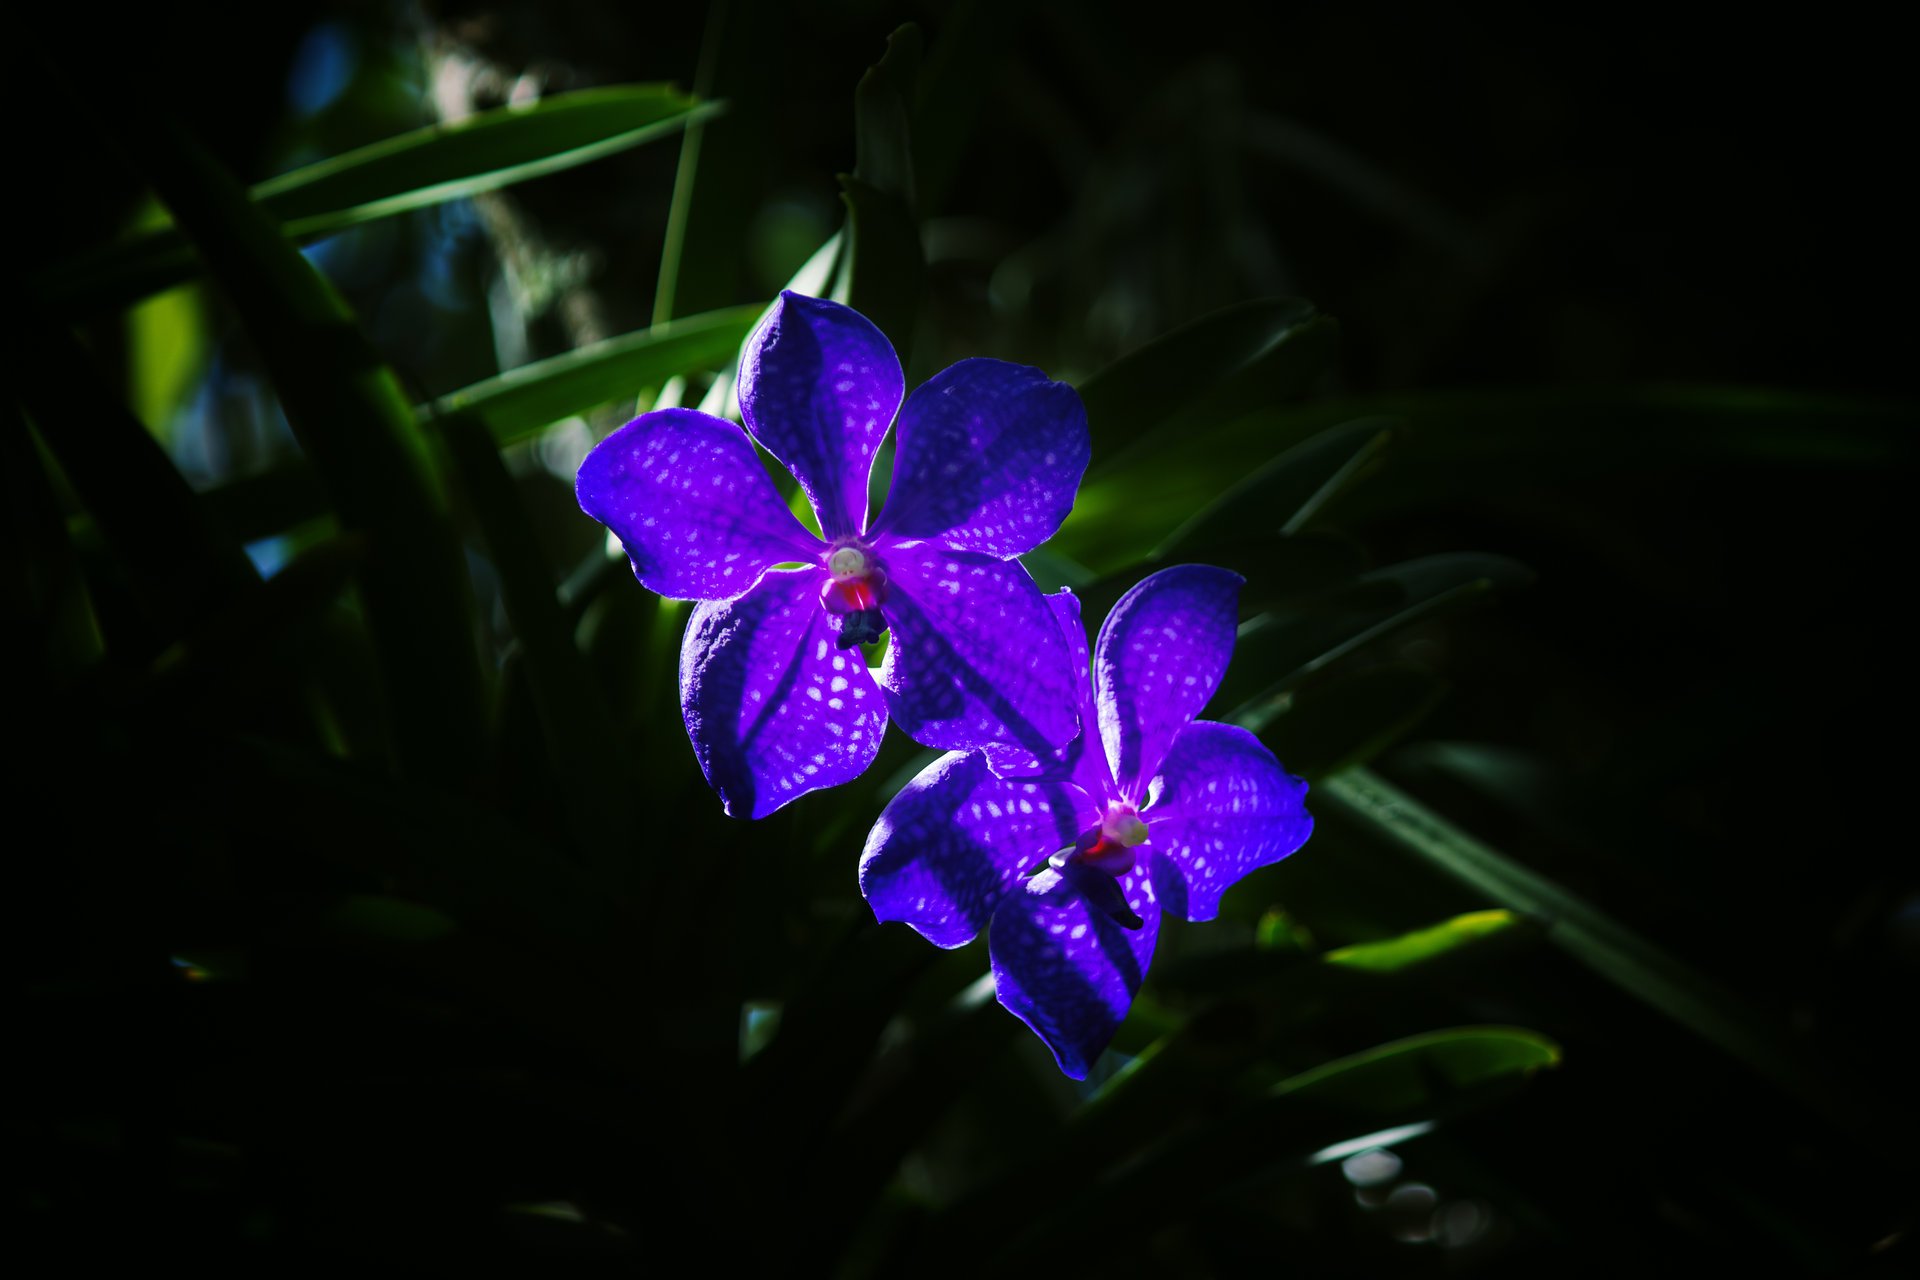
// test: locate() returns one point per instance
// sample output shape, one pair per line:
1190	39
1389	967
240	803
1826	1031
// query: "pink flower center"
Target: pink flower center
1109	847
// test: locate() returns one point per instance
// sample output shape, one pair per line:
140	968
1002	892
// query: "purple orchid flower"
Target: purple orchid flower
1069	864
776	694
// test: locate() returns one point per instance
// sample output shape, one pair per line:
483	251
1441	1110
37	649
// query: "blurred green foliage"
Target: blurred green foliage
374	907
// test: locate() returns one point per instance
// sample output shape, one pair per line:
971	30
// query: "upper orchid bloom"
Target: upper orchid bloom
1147	810
777	697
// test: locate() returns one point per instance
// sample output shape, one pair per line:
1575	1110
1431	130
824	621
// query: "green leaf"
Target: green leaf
1285	647
1324	727
1422	1069
1423	945
44	607
589	760
1598	942
1436	1076
883	271
882	109
1286	494
266	502
359	433
425	167
180	566
1226	363
376	915
520	402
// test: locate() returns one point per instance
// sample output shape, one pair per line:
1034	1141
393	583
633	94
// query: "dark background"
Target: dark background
1702	699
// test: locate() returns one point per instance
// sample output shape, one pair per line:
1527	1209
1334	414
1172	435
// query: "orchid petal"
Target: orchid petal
692	505
773	708
1067	970
977	656
818	387
987	458
956	840
1160	656
1083	761
1220	807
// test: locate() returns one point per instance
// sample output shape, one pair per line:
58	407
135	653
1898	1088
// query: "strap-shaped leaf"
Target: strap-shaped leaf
425	167
1600	943
357	429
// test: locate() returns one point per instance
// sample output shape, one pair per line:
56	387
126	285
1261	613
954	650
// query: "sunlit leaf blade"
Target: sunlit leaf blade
1255	353
589	761
1277	652
1284	495
518	403
358	431
1597	941
1422	1069
513	406
425	167
482	153
1391	955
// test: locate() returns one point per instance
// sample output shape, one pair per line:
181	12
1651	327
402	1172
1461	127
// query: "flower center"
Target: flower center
847	563
1109	846
855	587
1100	857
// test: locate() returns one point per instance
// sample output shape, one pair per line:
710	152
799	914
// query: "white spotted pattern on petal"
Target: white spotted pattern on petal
976	655
956	840
754	675
691	504
819	385
1068	971
1221	806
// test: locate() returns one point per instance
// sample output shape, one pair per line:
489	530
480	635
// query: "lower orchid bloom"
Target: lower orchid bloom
777	697
1069	867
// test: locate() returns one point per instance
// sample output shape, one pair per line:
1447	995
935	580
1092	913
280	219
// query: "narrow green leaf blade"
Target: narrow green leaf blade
1392	955
1421	1070
181	567
589	760
1278	652
357	429
483	153
518	403
425	167
1597	941
1225	363
1284	495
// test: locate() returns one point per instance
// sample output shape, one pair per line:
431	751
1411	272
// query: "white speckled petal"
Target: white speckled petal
773	708
1160	656
977	656
956	839
1221	806
987	457
1084	760
686	496
1068	971
818	387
